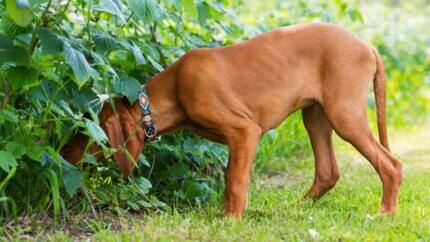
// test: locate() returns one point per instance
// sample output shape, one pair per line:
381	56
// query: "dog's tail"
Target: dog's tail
380	90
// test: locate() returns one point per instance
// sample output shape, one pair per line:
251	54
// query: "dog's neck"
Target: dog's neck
166	111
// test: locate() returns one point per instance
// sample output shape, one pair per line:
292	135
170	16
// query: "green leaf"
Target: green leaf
90	159
355	15
11	54
127	86
8	115
20	13
135	50
95	131
112	7
178	170
144	161
33	150
78	63
72	180
196	190
217	10
67	108
133	205
51	43
146	10
10	28
190	8
8	177
155	202
144	204
144	185
103	42
15	148
22	77
203	12
55	191
140	60
7	161
124	59
155	64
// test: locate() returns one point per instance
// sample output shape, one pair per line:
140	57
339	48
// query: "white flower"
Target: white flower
103	97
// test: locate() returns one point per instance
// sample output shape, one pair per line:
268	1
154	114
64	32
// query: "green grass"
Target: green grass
276	210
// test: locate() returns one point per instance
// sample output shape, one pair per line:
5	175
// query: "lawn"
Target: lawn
276	210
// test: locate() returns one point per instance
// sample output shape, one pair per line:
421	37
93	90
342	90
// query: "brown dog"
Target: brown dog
235	94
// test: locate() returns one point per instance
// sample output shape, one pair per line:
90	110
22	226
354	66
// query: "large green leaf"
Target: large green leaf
155	64
143	161
51	42
178	170
55	191
355	15
19	11
190	8
10	28
144	185
135	50
195	190
203	12
22	77
112	7
72	179
8	115
104	42
95	131
127	86
78	63
11	54
146	10
7	161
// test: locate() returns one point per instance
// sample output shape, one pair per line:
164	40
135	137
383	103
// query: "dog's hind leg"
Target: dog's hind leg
346	112
320	134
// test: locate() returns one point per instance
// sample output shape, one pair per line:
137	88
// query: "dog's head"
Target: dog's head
121	123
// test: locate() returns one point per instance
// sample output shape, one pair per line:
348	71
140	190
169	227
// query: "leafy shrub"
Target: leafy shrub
63	59
60	60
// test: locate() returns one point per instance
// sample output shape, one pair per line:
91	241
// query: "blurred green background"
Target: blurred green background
61	59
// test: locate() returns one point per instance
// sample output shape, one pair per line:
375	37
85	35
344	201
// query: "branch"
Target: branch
154	39
45	23
5	99
61	15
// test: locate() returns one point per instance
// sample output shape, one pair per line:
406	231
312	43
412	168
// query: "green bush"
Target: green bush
60	60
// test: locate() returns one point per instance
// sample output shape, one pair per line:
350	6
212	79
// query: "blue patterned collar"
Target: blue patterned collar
145	108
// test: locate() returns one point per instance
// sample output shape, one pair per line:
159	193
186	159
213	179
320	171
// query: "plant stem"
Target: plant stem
43	22
61	14
154	39
5	99
93	210
87	21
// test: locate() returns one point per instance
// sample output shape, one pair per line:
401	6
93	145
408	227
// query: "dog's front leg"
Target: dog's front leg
242	143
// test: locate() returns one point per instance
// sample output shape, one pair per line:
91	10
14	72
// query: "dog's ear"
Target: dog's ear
74	149
124	132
